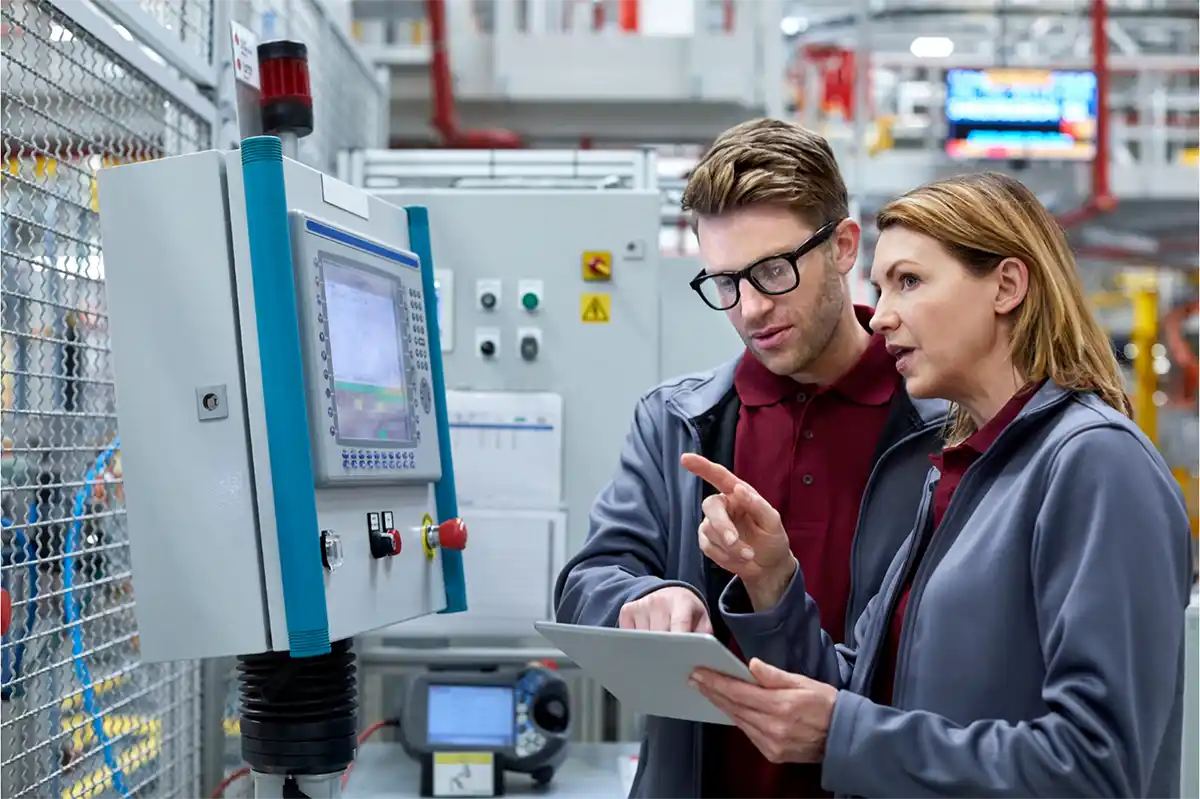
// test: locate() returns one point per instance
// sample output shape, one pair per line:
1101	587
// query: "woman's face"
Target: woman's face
940	321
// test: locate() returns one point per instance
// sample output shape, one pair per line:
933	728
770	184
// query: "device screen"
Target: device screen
367	353
470	715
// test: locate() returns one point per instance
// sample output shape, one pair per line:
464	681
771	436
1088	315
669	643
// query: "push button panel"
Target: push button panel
382	535
377	459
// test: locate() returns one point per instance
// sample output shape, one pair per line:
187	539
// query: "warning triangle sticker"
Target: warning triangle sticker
595	311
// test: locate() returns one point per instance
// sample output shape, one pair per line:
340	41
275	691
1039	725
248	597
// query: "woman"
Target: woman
1028	638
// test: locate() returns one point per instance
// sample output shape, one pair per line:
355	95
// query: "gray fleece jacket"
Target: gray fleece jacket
644	523
1042	652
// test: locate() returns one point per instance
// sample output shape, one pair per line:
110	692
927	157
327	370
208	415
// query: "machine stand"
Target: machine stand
299	721
461	774
297	786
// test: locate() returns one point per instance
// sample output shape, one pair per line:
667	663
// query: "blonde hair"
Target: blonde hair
981	219
769	162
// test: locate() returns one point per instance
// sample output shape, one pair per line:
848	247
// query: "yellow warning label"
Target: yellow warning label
463	758
595	308
597	265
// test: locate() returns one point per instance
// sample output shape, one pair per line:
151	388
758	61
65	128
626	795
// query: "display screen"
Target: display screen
471	715
1021	113
367	355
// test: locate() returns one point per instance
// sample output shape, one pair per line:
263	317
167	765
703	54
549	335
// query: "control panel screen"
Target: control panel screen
366	329
471	715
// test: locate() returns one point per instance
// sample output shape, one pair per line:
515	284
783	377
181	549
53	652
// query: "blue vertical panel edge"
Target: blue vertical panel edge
284	397
444	492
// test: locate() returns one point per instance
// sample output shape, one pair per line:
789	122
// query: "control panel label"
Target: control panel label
597	265
595	308
464	773
245	54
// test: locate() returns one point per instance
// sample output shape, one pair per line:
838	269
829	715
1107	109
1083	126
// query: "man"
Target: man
813	415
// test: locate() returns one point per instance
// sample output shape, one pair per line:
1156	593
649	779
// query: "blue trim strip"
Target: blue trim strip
342	237
444	492
284	397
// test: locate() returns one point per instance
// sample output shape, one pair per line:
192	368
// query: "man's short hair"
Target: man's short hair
769	162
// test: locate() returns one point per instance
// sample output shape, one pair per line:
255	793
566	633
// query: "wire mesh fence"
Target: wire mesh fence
81	717
188	21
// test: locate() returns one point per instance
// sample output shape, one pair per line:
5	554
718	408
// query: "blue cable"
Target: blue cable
72	612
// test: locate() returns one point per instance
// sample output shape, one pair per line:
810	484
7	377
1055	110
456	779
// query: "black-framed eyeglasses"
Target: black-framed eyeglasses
775	274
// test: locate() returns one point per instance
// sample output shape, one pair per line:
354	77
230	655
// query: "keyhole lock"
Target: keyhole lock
211	403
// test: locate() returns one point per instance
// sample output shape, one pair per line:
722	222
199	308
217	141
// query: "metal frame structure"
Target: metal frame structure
89	85
535	169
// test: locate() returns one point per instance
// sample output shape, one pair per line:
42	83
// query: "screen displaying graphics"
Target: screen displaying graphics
367	353
1021	113
470	715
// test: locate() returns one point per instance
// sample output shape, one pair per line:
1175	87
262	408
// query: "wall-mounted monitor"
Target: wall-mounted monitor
1016	113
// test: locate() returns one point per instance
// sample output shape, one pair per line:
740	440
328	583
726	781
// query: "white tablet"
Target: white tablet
648	671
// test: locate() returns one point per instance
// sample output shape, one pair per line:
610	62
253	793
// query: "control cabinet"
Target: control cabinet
281	406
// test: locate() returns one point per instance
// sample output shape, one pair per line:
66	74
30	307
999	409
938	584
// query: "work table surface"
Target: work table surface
591	771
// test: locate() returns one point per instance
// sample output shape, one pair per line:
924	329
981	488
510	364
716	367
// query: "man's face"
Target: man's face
786	332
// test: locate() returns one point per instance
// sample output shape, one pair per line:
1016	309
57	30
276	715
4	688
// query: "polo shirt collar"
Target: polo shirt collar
871	381
984	437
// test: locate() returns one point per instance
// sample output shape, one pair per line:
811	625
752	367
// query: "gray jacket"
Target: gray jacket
644	523
1042	652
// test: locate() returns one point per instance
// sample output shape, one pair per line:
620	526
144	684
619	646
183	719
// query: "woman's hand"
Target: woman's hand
743	534
786	716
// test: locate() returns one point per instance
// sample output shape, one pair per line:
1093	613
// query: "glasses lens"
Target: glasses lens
720	291
775	276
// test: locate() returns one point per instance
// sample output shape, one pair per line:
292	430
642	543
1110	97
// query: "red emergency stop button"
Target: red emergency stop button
452	534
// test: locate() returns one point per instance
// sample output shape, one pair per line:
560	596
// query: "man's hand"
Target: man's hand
673	609
742	533
785	715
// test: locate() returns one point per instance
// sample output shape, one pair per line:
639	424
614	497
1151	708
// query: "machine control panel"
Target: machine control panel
366	350
520	715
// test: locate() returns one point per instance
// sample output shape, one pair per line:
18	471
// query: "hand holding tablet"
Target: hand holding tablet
648	671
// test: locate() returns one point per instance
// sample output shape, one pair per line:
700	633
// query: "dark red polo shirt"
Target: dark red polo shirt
952	463
808	450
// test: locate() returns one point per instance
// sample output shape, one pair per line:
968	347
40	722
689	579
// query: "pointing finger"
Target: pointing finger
714	474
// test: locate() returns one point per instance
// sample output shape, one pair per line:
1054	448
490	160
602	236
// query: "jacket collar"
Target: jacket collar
695	395
1047	396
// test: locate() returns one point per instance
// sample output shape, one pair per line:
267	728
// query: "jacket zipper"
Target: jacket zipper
930	559
911	559
848	622
697	770
921	577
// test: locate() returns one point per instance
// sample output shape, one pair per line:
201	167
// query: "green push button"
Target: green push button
530	300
